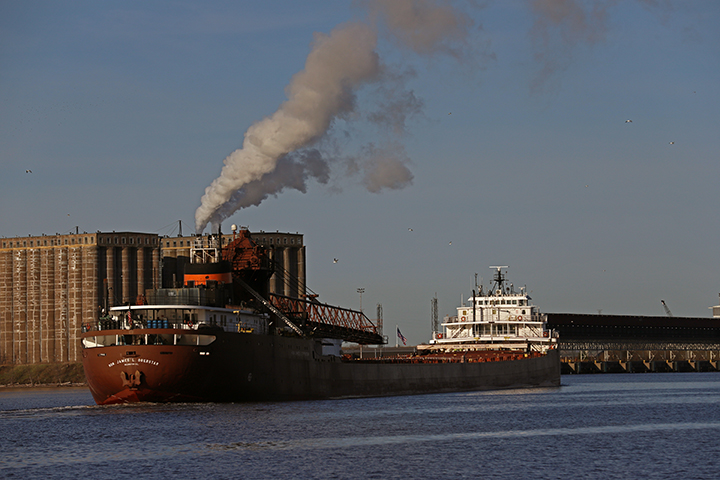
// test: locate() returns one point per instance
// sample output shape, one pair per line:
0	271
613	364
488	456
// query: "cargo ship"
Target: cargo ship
223	337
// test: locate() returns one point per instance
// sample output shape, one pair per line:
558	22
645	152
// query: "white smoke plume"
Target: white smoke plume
283	150
325	90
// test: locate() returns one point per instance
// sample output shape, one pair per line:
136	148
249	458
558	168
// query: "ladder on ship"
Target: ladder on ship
270	306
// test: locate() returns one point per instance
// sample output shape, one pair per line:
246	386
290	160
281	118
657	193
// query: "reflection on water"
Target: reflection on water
602	426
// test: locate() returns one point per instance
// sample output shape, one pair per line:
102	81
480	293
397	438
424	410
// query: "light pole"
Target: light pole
361	291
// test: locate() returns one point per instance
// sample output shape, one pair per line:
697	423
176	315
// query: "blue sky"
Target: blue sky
518	148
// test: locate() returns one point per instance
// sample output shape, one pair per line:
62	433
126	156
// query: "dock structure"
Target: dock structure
636	344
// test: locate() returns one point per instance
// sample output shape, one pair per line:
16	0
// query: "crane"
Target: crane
667	310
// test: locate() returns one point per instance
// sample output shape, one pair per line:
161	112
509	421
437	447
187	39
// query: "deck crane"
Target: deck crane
667	310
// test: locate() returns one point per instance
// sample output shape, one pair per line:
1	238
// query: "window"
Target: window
124	240
174	243
292	241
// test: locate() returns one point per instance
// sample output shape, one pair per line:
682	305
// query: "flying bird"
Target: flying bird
335	260
449	243
672	143
409	229
628	121
28	171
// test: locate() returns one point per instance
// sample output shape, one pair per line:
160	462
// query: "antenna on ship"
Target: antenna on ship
434	314
499	278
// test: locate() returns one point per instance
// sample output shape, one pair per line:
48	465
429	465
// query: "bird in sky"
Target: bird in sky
628	121
672	143
28	171
449	243
410	230
335	260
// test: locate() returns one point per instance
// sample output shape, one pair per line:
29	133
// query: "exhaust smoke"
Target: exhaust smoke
274	156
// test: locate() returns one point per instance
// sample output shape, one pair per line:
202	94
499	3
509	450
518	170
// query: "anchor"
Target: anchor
131	380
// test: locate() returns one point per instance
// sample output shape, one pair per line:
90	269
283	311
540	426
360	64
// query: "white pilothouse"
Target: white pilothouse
499	318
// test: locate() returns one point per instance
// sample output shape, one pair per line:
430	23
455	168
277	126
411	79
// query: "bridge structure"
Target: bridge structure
625	343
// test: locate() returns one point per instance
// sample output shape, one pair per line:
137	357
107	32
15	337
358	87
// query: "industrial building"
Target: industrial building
51	285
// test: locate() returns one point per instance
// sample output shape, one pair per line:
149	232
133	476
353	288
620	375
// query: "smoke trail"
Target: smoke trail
337	66
291	171
561	25
276	150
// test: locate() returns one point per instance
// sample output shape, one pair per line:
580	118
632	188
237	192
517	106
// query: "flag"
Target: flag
401	337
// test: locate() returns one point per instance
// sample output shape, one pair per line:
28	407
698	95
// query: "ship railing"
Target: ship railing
452	357
146	337
123	324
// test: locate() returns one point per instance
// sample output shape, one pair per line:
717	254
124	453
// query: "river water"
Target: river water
623	426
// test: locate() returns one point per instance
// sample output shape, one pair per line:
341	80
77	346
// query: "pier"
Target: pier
639	361
636	344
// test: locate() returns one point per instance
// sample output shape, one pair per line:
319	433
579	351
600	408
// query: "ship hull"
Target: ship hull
247	367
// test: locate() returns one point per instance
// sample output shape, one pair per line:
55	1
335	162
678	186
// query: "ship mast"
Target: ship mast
499	279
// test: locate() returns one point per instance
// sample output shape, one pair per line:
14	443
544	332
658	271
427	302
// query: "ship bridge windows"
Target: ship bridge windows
499	330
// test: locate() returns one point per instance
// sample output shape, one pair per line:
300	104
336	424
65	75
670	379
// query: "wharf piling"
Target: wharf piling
639	361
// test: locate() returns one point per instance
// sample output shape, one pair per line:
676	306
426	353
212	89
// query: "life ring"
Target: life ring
519	317
463	318
439	335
